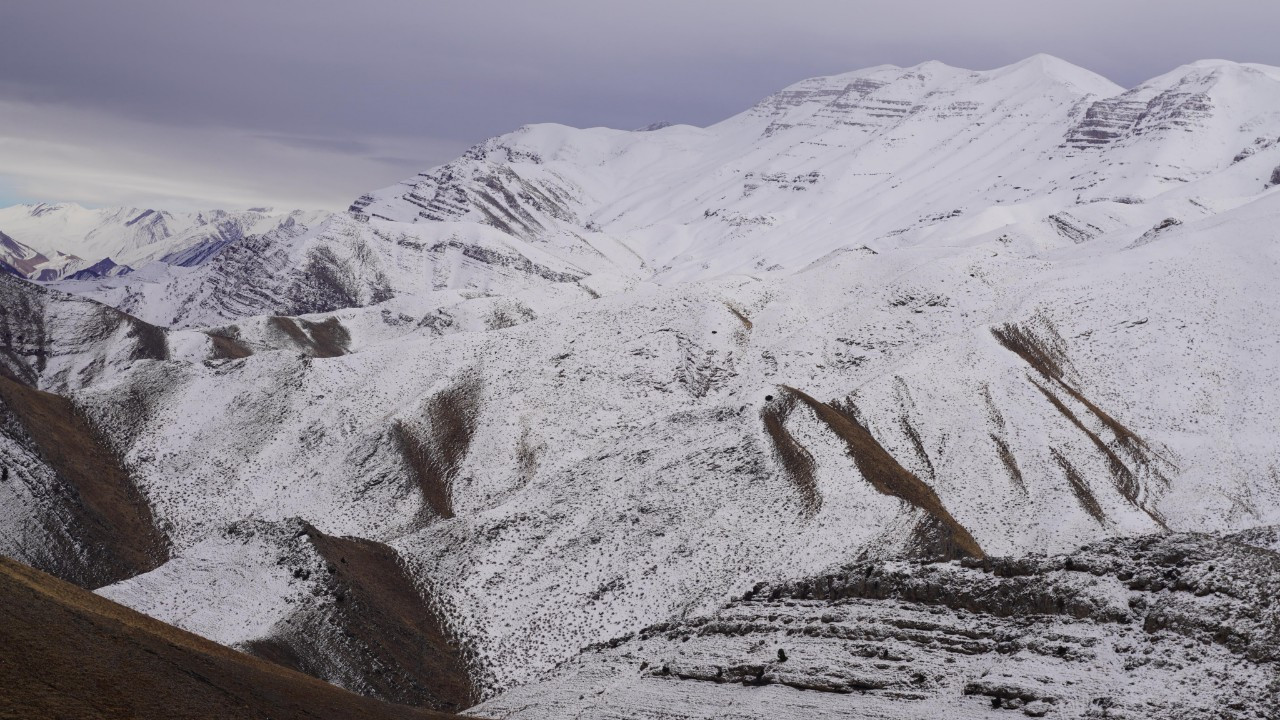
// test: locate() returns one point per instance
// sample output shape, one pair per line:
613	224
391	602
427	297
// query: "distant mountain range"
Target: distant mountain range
66	241
904	392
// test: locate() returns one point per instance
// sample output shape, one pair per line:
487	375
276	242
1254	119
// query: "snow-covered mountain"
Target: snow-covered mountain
1004	338
53	241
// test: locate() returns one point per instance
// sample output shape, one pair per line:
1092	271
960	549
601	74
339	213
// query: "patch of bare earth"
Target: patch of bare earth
227	345
1047	356
797	462
939	535
432	449
1079	487
325	339
1010	462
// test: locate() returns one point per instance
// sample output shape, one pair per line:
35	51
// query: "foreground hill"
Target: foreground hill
67	653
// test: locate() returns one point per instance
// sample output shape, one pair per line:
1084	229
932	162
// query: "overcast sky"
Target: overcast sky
308	103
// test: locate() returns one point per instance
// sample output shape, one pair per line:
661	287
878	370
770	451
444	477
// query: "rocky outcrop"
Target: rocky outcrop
1179	626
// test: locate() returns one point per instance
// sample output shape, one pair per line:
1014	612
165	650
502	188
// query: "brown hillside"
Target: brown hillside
67	653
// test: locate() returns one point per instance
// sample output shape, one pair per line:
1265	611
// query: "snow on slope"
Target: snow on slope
1116	629
870	155
339	264
595	380
229	588
72	238
618	462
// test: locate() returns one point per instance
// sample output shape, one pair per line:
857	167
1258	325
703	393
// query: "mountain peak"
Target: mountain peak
1050	67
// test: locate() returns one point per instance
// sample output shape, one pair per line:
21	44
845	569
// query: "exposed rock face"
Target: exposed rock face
1178	626
1181	101
1106	121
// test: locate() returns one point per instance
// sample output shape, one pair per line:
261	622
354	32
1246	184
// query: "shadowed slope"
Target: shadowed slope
65	652
379	635
94	512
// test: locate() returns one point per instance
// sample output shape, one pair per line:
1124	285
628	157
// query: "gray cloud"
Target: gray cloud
343	146
341	87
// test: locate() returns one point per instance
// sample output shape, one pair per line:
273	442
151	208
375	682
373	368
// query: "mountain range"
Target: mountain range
904	391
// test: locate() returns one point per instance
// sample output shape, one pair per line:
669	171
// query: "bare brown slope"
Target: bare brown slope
67	653
95	508
432	451
379	635
887	475
796	459
1047	356
226	343
326	339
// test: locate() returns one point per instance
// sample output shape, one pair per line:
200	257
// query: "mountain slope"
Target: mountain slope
619	460
70	506
875	154
69	653
57	341
340	609
1177	626
582	382
338	265
21	258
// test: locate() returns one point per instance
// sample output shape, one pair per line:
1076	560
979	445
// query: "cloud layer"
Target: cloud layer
311	102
